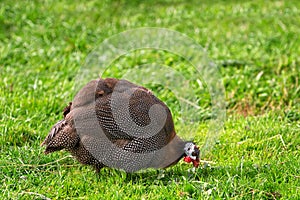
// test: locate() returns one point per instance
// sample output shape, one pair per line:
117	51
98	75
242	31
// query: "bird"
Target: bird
117	124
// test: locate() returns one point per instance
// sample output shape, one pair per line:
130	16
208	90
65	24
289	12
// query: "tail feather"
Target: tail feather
67	109
55	129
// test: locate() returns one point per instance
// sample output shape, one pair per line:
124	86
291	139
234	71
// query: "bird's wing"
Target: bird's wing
123	113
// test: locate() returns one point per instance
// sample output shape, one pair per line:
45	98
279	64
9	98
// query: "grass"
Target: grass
256	46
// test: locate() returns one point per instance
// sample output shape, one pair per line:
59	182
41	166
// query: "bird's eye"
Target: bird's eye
189	149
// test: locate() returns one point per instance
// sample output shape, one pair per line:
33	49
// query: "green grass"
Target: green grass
256	46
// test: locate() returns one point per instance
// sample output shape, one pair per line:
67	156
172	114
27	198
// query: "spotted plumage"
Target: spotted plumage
130	133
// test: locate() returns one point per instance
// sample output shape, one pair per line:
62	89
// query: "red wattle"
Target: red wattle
187	159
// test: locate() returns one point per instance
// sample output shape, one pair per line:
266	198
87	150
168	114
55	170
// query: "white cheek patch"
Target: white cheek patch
189	149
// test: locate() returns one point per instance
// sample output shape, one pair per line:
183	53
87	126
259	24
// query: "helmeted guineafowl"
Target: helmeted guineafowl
118	124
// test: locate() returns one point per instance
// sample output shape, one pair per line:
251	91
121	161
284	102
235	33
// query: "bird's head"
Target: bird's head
192	154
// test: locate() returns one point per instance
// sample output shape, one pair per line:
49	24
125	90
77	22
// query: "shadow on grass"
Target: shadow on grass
180	172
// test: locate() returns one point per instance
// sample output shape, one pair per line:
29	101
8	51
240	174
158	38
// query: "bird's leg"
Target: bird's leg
98	168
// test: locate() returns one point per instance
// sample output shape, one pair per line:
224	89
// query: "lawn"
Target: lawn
254	44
